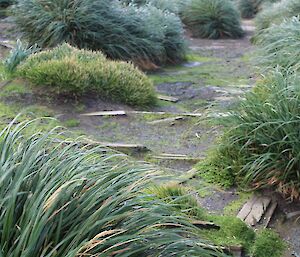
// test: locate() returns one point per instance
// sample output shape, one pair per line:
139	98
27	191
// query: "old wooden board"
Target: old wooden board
168	98
269	213
167	120
253	211
105	113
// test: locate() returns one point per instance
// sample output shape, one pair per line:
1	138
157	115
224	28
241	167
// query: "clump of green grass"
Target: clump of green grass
71	123
145	35
213	19
249	8
67	70
71	201
179	198
232	231
216	167
268	243
276	13
17	55
261	147
6	3
174	6
280	46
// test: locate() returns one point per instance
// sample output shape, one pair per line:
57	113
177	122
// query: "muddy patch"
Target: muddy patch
186	90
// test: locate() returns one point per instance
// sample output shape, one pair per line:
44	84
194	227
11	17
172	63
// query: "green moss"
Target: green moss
233	208
199	58
179	198
209	73
268	244
4	75
7	111
213	170
72	123
14	88
232	232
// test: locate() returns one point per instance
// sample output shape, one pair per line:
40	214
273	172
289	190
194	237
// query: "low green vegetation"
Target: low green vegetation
279	45
44	183
276	13
249	8
71	123
213	19
232	232
17	55
260	148
6	3
13	89
148	36
268	243
67	70
235	206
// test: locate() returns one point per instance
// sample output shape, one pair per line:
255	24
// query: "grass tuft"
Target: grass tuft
213	19
147	36
63	199
67	70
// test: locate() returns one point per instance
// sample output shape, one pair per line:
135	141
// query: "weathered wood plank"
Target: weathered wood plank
105	113
269	213
177	158
121	146
123	113
246	209
191	114
167	120
6	44
168	98
257	211
205	224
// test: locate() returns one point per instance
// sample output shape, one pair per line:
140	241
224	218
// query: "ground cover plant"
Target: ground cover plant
17	55
249	8
261	147
175	6
276	13
6	3
76	201
70	71
279	45
121	32
213	19
232	230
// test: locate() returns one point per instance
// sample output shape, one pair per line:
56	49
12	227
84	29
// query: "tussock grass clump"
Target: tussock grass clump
264	137
249	8
213	19
6	3
62	199
276	13
17	55
280	45
121	32
172	6
179	198
67	70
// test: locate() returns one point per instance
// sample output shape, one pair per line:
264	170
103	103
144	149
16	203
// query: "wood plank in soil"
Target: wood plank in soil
168	98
